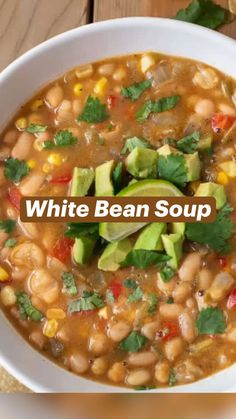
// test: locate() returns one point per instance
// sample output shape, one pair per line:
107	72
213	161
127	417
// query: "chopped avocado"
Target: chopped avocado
142	163
205	143
103	179
114	254
83	249
150	237
81	181
193	166
173	246
212	189
229	167
166	149
178	228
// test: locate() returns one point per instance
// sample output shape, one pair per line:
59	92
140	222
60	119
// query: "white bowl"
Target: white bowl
24	77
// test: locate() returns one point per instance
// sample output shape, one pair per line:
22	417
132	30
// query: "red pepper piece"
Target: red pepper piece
61	179
115	287
112	101
169	331
62	249
231	303
223	261
221	122
14	196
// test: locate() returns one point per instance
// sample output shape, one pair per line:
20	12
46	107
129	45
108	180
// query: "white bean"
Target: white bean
4	153
226	109
106	69
173	348
79	363
187	326
98	343
54	96
42	284
149	330
205	108
8	296
120	74
32	183
170	311
119	331
27	254
138	377
142	359
99	366
181	292
28	229
162	372
205	278
10	137
23	146
190	267
166	287
220	286
117	372
231	333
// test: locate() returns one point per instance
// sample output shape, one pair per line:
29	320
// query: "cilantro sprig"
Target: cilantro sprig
89	301
15	169
36	128
157	106
8	226
211	320
132	143
77	230
26	308
173	168
134	342
134	91
94	111
69	283
62	138
143	259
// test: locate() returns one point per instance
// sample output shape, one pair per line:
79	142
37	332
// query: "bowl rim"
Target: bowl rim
8	359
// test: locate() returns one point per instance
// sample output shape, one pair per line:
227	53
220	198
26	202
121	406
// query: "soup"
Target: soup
134	305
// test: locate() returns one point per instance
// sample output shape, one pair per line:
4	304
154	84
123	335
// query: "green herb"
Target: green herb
64	138
170	300
8	226
77	230
132	143
173	168
136	295
130	283
167	273
153	303
170	141
144	258
211	320
69	283
36	128
144	388
10	243
110	297
134	91
15	169
216	234
48	144
189	144
94	111
172	378
117	177
89	301
205	13
158	106
26	309
133	342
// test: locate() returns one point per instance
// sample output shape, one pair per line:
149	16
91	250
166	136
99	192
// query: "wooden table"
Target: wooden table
26	23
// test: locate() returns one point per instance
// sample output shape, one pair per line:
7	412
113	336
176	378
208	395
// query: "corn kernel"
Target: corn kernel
55	159
55	313
46	168
222	178
8	296
4	276
78	88
50	328
31	163
38	144
100	86
38	103
21	123
103	313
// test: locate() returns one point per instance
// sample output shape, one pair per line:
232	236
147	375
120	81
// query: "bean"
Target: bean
206	78
220	286
79	363
4	153
205	108
2	176
28	229
8	296
106	69
77	106
120	74
119	331
138	377
84	71
23	146
117	372
226	109
166	287
149	330
19	273
181	292
231	333
38	339
10	137
162	372
205	278
3	237
43	285
99	366
98	343
54	96
32	183
56	265
173	348
27	254
142	359
187	371
170	311
187	326
190	267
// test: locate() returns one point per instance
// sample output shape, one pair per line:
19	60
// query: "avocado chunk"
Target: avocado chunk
205	143
193	165
83	249
114	254
103	179
178	228
142	163
150	237
81	181
229	167
166	149
173	246
212	189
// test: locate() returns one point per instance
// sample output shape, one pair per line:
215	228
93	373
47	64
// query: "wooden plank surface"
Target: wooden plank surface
110	9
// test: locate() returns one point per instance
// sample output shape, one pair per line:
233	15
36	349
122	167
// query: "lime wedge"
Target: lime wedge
118	231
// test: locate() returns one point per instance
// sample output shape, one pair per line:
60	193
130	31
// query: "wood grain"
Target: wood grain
110	9
26	23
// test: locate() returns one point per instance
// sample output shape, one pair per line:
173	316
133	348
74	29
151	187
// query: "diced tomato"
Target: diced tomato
221	122
231	303
115	287
223	261
14	196
112	101
62	249
169	330
61	179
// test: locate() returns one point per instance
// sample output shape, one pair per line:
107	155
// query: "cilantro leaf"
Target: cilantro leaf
8	226
94	111
153	303
158	106
117	177
15	169
211	320
69	283
26	309
144	258
77	230
48	144
136	295
167	273
88	301
172	378
10	243
133	342
216	234
132	143
36	128
134	91
64	138
173	168
130	283
205	13
144	388
189	144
